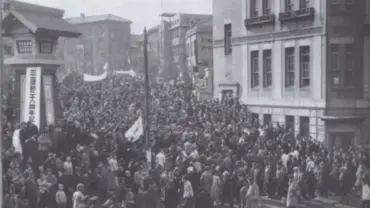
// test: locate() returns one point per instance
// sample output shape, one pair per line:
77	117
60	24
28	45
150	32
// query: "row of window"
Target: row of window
304	122
341	66
26	46
289	5
304	67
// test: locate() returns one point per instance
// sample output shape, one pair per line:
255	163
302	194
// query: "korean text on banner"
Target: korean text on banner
48	96
33	95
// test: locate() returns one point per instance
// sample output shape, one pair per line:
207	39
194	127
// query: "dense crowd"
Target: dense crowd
206	154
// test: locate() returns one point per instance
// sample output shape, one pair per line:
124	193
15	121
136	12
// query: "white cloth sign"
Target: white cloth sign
49	101
22	98
33	95
93	78
135	131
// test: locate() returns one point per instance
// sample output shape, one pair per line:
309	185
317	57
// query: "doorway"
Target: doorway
341	140
227	95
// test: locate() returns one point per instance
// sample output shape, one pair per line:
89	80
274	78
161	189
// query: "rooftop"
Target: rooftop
153	29
39	19
201	27
97	18
171	14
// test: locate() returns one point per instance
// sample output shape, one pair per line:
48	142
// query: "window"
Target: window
228	35
289	122
348	4
266	7
24	46
304	67
335	72
253	8
267	68
267	118
254	69
304	126
288	6
348	70
289	67
303	4
46	47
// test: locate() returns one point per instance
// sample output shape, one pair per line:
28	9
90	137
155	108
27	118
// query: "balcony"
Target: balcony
259	20
297	14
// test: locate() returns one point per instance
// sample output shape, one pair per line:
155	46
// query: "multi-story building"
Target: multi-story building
105	39
165	54
179	24
199	55
297	62
199	47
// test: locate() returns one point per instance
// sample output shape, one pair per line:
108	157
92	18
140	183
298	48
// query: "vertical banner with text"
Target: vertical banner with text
33	95
23	95
49	101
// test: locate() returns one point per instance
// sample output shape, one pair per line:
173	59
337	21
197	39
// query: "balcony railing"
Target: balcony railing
259	20
297	14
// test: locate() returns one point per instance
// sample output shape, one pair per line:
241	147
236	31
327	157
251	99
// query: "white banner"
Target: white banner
33	94
22	98
92	78
130	72
49	101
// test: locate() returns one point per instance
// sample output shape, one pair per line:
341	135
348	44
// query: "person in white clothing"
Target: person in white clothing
161	159
16	141
365	196
113	164
78	197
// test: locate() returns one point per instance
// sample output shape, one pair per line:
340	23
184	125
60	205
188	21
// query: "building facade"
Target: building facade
199	47
199	56
294	62
106	39
179	24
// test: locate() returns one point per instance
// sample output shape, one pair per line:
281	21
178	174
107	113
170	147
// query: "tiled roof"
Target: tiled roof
34	8
97	18
40	19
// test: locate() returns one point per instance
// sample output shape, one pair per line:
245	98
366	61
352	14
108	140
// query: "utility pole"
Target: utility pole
147	98
1	98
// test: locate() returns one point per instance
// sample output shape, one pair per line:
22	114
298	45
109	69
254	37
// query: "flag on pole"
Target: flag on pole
135	131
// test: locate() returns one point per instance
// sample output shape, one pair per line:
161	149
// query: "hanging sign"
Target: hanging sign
33	94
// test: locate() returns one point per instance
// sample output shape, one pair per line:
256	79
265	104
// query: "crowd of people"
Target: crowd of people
205	154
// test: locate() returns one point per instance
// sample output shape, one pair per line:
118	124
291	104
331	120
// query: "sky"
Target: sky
143	13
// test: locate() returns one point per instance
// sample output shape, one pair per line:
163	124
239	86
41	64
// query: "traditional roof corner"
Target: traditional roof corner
40	19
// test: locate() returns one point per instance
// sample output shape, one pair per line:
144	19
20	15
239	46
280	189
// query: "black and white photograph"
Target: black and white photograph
185	103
